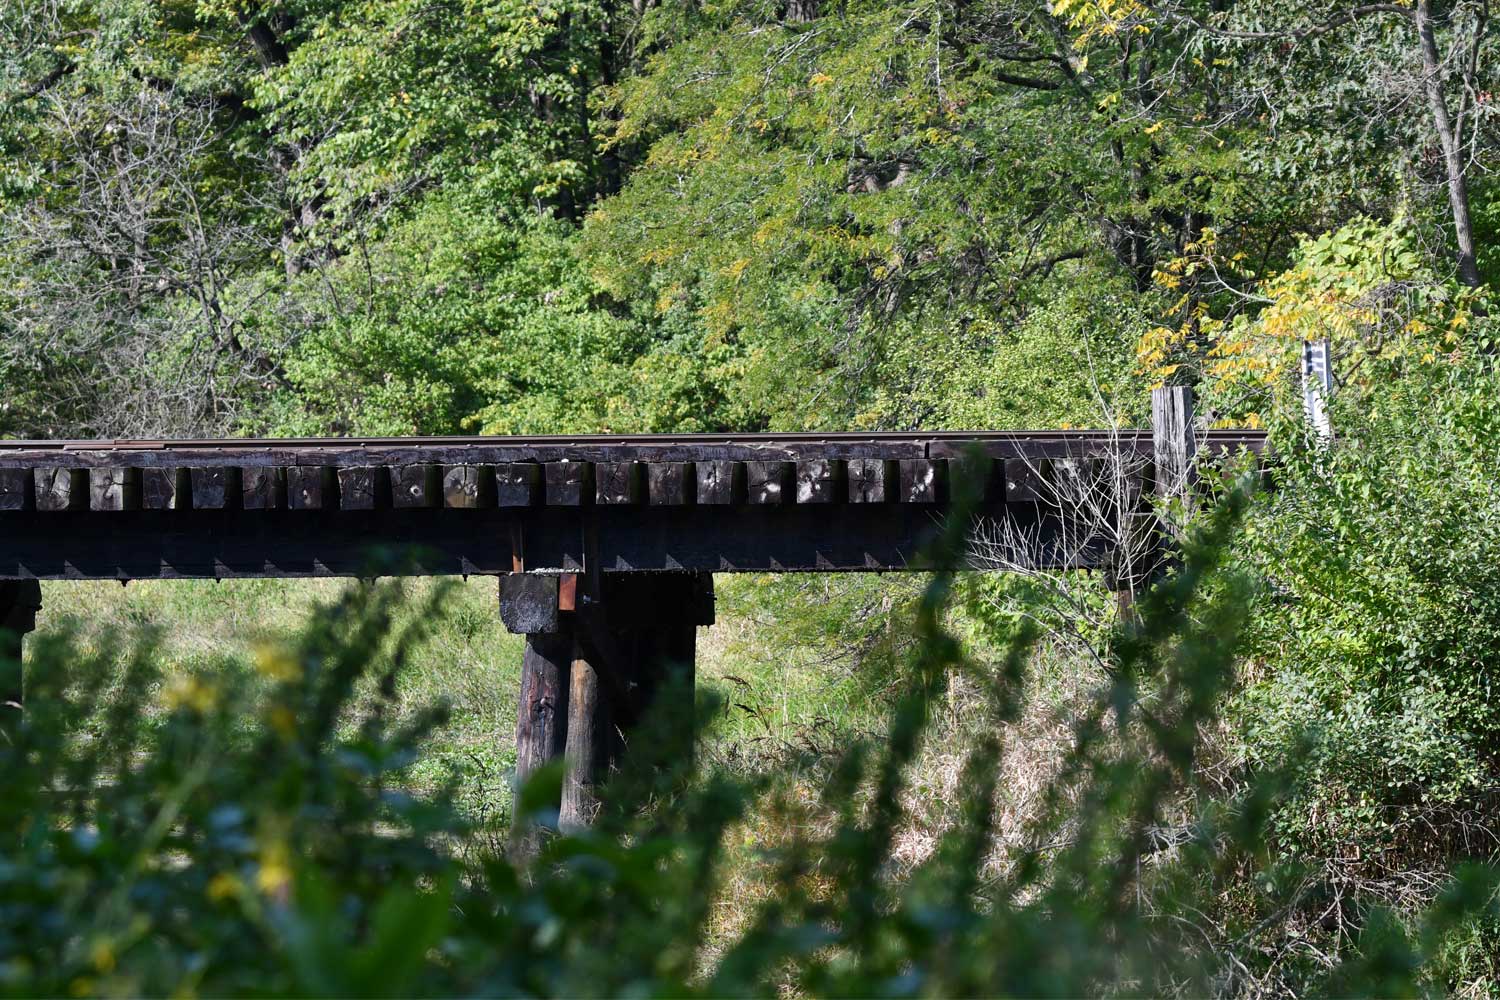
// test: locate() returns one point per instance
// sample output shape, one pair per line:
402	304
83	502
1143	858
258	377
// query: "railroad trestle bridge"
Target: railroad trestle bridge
605	546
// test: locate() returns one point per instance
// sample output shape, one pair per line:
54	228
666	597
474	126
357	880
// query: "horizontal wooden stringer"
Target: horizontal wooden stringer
820	503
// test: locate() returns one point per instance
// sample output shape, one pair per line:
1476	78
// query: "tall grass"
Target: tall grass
220	820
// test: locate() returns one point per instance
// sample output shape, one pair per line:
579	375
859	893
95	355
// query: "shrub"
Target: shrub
259	838
1375	640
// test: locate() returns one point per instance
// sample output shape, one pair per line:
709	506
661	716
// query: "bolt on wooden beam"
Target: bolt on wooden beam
415	486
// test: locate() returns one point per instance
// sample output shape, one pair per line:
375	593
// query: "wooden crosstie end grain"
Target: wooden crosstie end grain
696	503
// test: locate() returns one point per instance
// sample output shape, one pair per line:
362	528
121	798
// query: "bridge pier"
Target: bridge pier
607	660
20	600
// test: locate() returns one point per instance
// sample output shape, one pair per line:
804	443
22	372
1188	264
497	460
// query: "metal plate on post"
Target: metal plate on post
1317	386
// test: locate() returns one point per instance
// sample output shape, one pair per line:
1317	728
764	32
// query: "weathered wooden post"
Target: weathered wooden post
1174	453
587	739
529	606
20	600
602	657
1174	446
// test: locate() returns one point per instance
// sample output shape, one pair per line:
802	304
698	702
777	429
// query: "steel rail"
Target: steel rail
1249	436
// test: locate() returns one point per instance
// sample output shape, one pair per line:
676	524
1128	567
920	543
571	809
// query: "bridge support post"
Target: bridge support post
20	600
607	660
541	720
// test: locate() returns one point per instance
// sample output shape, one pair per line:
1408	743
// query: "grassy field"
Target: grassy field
802	666
794	678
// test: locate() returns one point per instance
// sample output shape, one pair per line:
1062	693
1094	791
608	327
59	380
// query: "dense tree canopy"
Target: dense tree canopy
382	215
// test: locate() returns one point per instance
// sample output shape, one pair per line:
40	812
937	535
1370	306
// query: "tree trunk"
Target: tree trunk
1458	189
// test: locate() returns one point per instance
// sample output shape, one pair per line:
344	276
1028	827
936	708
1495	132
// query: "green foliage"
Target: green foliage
1375	641
846	202
260	839
384	96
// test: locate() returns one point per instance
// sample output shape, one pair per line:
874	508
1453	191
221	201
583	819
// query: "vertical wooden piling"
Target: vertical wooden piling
587	743
1174	454
20	600
605	658
541	717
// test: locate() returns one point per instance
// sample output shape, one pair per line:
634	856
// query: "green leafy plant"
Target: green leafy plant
256	835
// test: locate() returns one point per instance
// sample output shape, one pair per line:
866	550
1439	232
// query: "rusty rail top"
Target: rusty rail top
590	447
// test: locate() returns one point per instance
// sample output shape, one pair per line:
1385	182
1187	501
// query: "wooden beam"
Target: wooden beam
720	482
365	487
768	482
631	697
518	484
262	487
17	490
114	489
415	486
311	487
586	747
284	543
672	484
165	489
977	476
529	603
61	489
469	487
872	480
1026	481
619	482
541	721
1174	446
922	480
215	487
568	484
821	480
20	600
